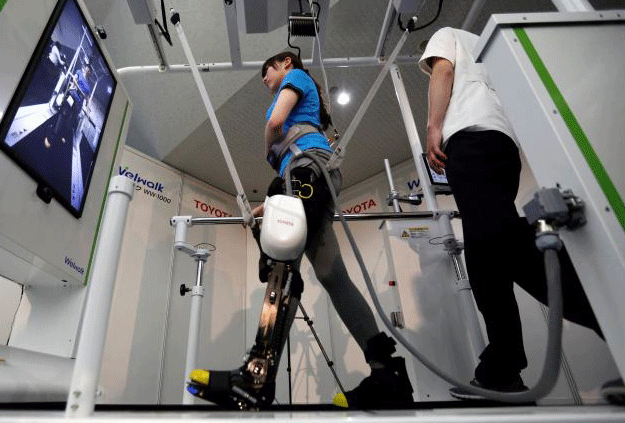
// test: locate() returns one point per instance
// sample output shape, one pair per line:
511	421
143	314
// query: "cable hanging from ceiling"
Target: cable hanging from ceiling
411	25
163	28
307	25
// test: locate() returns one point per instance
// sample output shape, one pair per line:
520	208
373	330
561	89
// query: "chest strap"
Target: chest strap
279	149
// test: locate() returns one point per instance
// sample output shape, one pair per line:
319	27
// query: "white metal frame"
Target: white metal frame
475	338
82	391
598	248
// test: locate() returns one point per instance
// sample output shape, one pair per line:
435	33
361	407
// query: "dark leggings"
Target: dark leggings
483	169
324	254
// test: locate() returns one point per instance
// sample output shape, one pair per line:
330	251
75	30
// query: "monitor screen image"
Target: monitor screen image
53	125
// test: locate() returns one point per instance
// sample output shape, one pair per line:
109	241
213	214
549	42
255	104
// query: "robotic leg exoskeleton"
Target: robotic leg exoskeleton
252	385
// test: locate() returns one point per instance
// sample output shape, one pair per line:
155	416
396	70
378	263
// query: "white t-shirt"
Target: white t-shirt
55	56
474	105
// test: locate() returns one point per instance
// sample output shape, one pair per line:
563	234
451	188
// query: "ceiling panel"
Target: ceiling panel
170	123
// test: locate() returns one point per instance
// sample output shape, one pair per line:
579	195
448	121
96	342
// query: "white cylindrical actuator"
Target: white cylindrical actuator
283	233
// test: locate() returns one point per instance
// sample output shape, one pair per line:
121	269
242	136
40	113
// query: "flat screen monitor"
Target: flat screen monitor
435	178
53	125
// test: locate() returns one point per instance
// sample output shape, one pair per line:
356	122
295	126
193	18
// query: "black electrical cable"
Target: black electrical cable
15	315
438	237
288	41
410	23
165	31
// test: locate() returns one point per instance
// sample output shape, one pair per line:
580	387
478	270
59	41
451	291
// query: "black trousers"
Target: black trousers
483	169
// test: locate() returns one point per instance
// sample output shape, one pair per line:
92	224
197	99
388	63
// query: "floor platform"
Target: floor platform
435	412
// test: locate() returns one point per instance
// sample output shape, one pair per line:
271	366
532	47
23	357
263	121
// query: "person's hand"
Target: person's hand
256	212
436	157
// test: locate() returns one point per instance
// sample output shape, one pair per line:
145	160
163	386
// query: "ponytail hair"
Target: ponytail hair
324	116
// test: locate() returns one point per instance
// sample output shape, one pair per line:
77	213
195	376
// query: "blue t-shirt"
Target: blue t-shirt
306	110
83	84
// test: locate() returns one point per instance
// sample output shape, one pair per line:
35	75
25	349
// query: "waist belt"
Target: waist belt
278	150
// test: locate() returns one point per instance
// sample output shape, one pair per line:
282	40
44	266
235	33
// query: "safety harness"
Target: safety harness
278	150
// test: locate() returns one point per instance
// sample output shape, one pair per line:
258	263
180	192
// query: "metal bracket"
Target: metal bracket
397	318
557	207
412	198
453	246
462	284
436	214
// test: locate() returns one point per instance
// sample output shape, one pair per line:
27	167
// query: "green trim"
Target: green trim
576	130
95	238
2	3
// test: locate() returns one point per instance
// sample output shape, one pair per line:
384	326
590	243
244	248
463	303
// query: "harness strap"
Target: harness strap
295	150
279	149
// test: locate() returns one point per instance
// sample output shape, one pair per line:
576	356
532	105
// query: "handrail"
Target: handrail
349	217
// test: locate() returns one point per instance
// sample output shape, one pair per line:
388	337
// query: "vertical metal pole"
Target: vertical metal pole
323	351
288	368
384	31
233	33
475	339
466	302
391	184
413	138
81	399
397	315
471	17
197	294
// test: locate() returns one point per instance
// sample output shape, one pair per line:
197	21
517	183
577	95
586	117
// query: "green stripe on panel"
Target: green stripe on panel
576	130
95	238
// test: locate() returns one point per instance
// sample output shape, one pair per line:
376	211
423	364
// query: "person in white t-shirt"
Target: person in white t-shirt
469	136
55	56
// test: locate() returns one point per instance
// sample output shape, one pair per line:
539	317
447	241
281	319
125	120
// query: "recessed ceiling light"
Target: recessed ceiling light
343	98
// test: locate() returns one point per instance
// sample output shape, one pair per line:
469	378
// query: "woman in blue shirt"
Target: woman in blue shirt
297	100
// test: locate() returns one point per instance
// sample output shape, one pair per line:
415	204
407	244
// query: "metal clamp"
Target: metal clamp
557	207
436	214
412	198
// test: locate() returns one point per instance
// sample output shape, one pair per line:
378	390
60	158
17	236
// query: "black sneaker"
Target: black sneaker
515	386
614	391
386	387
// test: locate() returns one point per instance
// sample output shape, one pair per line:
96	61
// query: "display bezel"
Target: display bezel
29	164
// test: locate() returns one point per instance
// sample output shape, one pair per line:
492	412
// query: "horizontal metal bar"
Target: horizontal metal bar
256	65
348	217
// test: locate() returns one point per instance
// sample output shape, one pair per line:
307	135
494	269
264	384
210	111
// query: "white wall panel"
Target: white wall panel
134	348
11	294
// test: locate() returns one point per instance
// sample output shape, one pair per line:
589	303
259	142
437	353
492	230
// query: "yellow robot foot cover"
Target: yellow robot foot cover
200	376
340	400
